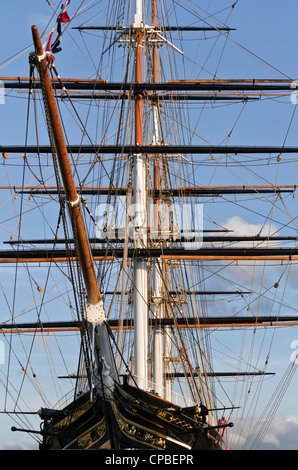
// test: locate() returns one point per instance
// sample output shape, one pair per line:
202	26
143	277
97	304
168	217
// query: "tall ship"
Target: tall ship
147	257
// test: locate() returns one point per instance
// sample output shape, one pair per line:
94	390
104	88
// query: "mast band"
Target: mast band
74	203
43	56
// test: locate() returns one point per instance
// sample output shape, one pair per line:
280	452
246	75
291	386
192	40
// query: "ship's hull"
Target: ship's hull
130	419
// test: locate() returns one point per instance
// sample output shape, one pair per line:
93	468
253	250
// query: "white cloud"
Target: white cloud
242	227
282	434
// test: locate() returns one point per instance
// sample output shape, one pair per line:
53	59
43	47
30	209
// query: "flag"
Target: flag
50	40
62	18
48	48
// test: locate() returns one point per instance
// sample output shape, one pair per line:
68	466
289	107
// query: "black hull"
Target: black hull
130	419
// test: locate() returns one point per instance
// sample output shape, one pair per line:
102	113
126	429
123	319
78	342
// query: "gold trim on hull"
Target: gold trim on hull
130	430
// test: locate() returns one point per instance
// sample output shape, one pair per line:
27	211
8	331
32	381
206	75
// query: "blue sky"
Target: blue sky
267	31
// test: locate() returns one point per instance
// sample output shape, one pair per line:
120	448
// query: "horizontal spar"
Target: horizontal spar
125	95
182	191
176	294
217	374
154	29
61	259
119	239
24	83
190	322
170	376
166	97
152	149
59	255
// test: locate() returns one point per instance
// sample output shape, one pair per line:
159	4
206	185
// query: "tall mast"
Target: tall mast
72	197
95	315
140	218
158	359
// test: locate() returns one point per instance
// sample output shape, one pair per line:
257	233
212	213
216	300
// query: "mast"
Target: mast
72	196
95	314
158	359
140	224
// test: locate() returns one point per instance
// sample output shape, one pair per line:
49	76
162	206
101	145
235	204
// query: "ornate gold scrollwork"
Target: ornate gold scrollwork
137	432
93	435
170	418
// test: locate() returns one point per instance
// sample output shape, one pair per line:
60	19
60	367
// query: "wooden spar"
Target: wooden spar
204	96
153	149
98	84
175	192
98	80
55	80
53	259
100	253
155	252
201	323
61	259
121	239
212	96
158	29
116	328
80	234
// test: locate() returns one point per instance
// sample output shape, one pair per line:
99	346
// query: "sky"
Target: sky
267	32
